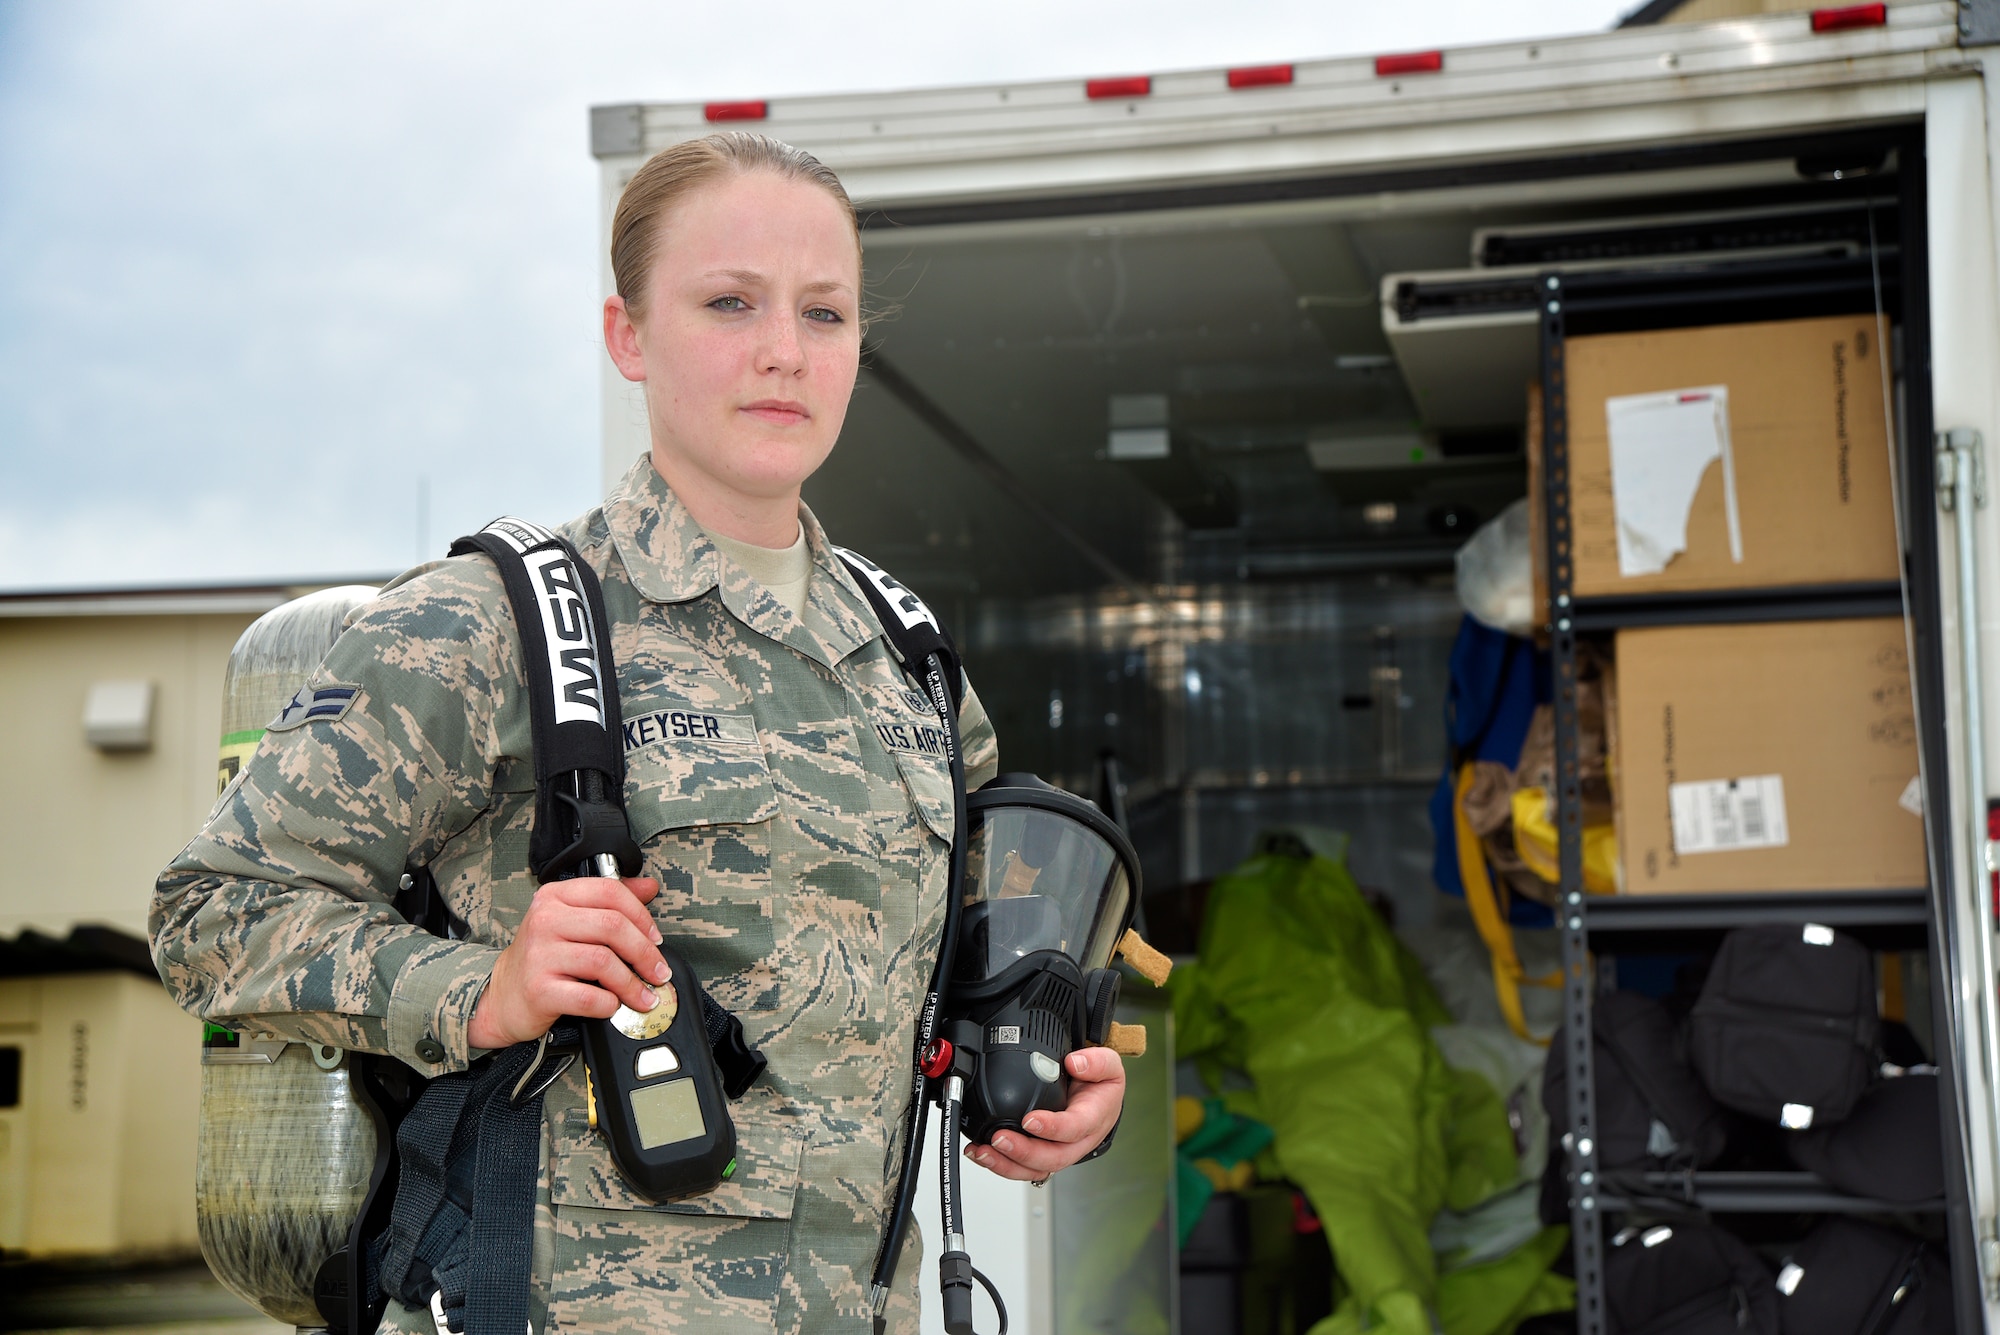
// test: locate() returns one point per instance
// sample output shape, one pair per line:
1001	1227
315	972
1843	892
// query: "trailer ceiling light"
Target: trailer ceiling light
1410	62
1260	76
1849	16
1135	85
736	111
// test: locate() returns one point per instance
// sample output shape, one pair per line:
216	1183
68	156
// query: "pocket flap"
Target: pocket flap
688	767
929	780
769	1148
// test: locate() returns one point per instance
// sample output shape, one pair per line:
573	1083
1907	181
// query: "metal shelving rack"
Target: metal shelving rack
1758	1193
1604	301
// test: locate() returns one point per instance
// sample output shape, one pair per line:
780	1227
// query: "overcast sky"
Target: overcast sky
264	268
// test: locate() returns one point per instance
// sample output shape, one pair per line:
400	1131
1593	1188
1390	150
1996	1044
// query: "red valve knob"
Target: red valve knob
937	1058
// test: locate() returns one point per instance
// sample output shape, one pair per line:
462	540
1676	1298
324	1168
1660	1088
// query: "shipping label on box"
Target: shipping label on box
1723	815
1731	456
1662	445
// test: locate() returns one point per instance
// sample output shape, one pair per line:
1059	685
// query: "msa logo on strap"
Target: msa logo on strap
566	629
905	604
570	637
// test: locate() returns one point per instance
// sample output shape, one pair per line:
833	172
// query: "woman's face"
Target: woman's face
749	338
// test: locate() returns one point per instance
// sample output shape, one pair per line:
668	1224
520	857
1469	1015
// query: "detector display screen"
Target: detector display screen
667	1114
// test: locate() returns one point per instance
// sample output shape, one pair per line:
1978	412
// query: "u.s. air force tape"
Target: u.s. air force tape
327	702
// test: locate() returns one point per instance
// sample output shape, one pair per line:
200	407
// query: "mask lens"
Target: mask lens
1038	880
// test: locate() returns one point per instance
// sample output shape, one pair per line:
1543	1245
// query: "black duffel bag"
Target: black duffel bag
1687	1278
1891	1147
1851	1278
1652	1113
1785	1027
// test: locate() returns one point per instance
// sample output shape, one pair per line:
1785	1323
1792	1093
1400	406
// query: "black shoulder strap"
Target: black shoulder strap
572	697
911	628
572	682
932	661
463	1212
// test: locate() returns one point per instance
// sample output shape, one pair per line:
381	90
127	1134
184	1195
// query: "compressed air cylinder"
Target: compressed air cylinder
281	1167
284	1150
272	658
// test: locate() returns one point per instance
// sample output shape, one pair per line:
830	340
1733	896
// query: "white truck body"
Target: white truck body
1505	123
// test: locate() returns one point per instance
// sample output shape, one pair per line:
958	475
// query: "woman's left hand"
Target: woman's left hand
1057	1140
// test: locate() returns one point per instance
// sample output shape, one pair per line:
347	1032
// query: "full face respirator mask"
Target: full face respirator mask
1049	888
1045	896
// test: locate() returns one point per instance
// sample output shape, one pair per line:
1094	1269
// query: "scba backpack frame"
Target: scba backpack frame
446	1219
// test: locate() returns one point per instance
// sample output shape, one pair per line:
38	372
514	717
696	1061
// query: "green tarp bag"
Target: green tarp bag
1302	987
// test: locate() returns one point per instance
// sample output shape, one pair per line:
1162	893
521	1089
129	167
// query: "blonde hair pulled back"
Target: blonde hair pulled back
672	174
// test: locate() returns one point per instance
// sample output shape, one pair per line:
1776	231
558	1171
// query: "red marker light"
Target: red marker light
736	111
937	1058
1260	76
1413	62
1993	833
1849	16
1137	85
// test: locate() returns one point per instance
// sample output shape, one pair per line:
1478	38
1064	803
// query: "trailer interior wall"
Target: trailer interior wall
1252	607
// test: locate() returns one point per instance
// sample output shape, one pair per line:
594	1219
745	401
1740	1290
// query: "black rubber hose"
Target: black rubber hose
994	1294
954	1267
933	1007
950	1195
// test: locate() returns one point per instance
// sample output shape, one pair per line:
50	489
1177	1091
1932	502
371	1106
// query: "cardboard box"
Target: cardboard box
1767	757
1780	422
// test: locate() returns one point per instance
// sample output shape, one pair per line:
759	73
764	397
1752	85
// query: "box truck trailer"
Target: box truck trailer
1184	387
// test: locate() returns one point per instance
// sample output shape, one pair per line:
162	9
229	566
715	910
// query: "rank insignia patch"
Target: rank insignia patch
329	702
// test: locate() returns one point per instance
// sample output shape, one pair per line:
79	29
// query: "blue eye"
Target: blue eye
729	304
825	315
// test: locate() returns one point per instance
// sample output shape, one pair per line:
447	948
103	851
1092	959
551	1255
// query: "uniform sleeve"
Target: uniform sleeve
278	916
976	740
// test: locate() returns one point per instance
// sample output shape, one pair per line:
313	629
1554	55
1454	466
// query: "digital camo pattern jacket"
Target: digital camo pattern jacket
800	834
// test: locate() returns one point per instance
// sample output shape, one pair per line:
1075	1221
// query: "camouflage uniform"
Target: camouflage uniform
799	830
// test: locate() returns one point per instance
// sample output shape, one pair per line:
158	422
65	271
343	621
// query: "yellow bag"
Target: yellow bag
1491	920
1535	841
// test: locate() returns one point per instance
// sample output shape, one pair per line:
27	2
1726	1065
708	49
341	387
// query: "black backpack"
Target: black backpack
1785	1027
1687	1278
1851	1278
1652	1114
1890	1147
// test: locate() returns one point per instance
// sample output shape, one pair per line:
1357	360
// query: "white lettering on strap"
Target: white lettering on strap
570	637
908	607
519	534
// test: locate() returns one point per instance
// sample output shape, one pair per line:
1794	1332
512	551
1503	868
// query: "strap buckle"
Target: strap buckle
543	1069
444	1326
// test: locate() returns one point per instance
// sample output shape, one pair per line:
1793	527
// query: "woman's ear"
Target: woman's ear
621	339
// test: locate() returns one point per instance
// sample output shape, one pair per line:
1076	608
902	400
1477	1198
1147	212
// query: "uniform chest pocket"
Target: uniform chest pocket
928	777
687	768
769	1145
703	808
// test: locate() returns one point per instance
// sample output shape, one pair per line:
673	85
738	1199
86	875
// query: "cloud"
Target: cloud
281	262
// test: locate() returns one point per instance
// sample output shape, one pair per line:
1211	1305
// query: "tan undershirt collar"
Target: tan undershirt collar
785	571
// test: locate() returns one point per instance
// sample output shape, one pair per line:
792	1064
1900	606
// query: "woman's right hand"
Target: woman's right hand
586	947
